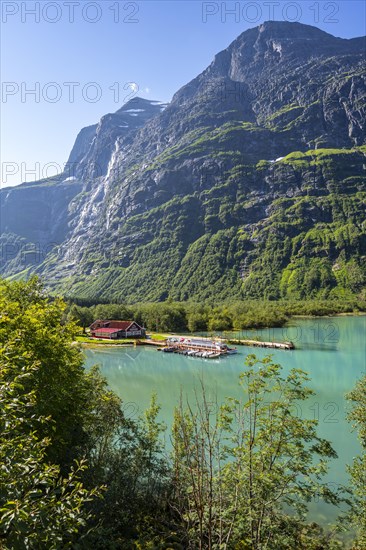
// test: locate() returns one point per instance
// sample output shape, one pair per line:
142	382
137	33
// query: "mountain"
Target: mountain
250	183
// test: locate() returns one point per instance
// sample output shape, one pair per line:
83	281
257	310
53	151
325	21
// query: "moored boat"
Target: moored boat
197	347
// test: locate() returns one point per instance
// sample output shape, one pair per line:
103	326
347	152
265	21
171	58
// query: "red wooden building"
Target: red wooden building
114	330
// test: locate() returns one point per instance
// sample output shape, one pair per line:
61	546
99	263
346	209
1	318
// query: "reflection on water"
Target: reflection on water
331	350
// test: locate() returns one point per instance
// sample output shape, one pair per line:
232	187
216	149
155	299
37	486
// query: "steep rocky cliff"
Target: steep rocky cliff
251	182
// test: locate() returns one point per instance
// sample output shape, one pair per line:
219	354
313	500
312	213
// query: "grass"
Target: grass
158	337
155	337
320	154
285	109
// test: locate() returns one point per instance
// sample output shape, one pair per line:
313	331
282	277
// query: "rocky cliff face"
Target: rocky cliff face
97	146
249	183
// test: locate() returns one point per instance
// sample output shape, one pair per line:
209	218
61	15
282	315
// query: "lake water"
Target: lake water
331	350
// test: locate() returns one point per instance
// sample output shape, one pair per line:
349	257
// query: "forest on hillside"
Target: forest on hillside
209	316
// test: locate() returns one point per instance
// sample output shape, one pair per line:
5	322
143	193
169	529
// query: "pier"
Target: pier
206	344
259	344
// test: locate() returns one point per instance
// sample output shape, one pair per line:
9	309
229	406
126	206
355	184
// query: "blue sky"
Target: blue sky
84	59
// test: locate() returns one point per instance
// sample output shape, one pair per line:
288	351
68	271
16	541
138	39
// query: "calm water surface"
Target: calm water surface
331	350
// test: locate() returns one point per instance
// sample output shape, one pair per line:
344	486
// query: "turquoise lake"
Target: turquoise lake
331	350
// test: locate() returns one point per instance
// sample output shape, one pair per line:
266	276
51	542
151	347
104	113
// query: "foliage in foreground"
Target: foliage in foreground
357	416
243	477
39	508
239	477
32	326
64	440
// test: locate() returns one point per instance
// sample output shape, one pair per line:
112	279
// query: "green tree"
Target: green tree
357	416
161	317
39	509
220	320
112	311
62	413
126	456
83	316
243	477
197	322
32	325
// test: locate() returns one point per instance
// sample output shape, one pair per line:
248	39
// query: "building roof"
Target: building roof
106	330
122	325
110	323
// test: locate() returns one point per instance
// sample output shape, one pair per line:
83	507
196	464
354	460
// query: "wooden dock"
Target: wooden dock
259	344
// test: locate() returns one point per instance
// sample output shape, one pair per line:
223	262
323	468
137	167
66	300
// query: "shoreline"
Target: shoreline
158	343
109	344
305	316
102	344
343	314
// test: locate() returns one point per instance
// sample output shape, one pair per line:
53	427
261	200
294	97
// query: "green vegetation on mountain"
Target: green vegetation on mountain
231	241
